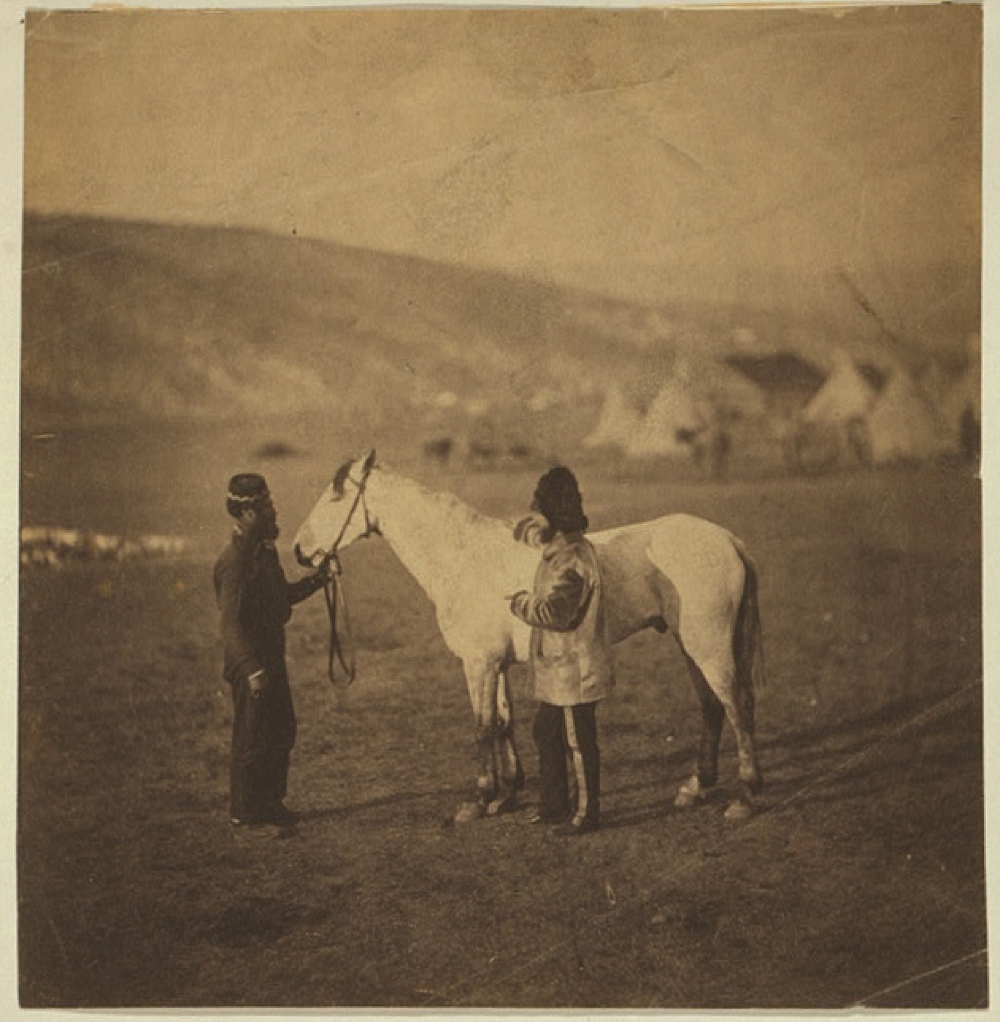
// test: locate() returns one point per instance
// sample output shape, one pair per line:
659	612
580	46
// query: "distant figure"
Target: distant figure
719	446
815	447
255	601
570	662
710	447
859	441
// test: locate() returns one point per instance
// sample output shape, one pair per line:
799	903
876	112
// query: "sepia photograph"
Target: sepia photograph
500	509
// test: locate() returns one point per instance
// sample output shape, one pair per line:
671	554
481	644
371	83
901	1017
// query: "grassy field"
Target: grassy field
863	869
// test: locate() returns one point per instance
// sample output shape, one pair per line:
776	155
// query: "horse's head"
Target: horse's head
340	516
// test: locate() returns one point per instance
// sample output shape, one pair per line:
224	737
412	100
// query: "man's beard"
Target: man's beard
265	530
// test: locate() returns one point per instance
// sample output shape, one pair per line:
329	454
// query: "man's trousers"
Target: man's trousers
566	739
263	737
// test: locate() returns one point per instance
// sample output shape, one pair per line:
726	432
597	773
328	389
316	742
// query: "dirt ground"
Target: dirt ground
860	879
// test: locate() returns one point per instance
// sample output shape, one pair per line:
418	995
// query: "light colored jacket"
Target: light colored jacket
570	661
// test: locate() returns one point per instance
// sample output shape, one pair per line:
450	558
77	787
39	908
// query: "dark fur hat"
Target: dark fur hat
557	496
247	489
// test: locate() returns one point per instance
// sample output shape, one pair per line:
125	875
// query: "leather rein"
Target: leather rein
333	592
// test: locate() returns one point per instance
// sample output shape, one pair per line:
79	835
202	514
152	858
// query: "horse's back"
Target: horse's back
677	544
679	571
687	545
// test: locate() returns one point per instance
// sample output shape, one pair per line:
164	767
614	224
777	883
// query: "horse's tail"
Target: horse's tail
748	639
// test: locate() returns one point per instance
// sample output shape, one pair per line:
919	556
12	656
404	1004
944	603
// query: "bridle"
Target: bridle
333	593
371	529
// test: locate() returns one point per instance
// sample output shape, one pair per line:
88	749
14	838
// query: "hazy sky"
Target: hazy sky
655	154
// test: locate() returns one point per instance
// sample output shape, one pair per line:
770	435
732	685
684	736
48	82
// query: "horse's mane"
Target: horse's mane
451	506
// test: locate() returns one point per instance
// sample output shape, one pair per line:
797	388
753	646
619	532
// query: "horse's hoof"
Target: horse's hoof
469	811
499	806
690	793
738	810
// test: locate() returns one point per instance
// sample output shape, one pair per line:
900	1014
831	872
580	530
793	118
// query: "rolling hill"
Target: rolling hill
127	321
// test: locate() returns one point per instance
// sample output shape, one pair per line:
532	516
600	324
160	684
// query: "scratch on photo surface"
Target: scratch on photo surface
862	208
645	83
948	966
685	157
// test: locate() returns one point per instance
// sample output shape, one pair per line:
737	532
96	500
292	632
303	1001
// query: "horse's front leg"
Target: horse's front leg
499	772
508	772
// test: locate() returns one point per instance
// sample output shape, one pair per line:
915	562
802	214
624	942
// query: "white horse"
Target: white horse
678	573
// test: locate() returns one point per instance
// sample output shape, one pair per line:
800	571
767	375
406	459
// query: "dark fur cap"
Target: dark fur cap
246	489
557	496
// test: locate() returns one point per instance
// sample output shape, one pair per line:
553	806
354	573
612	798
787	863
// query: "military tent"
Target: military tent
617	422
673	419
846	395
905	425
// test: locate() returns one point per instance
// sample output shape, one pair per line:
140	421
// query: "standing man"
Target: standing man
570	663
255	601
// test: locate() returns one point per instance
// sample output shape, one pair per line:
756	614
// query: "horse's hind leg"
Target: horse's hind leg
715	684
739	705
713	713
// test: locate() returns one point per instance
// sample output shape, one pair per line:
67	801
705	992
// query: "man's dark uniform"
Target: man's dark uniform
255	600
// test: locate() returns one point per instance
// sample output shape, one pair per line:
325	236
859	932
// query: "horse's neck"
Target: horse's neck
431	533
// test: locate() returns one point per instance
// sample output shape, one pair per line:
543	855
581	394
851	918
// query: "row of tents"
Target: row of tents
899	420
880	417
687	405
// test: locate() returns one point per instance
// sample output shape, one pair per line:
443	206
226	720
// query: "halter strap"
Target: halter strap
359	498
334	595
333	592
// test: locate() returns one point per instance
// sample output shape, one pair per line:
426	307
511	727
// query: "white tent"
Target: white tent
904	424
728	391
846	395
617	422
673	412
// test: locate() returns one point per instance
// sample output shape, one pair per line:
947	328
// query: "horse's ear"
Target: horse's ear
369	462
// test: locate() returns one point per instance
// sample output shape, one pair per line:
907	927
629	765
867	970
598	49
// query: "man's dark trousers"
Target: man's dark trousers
562	732
263	737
